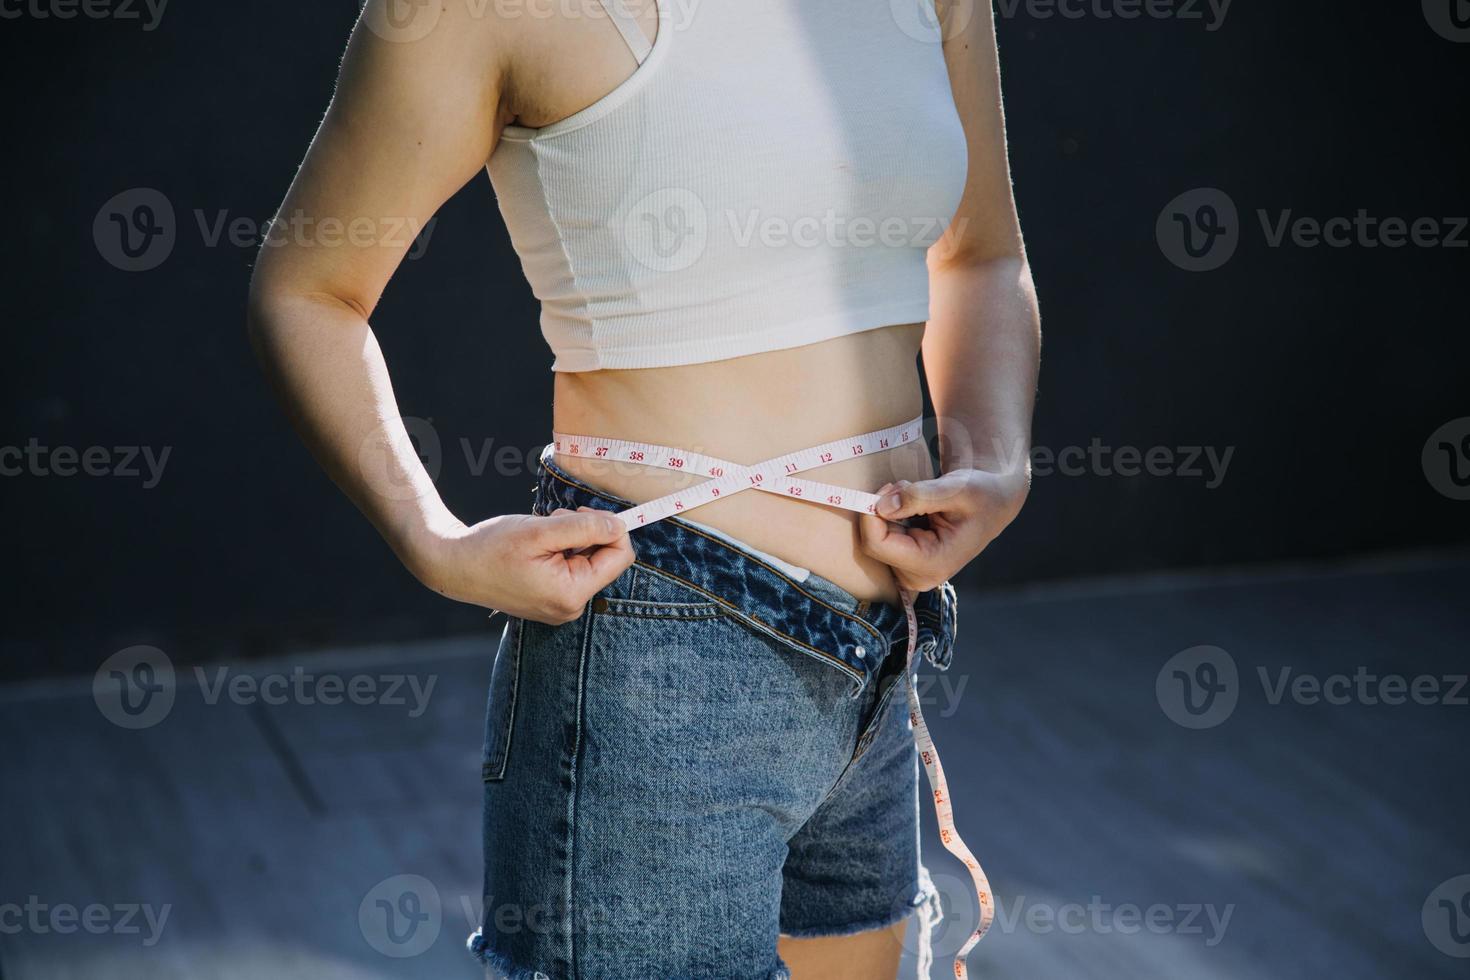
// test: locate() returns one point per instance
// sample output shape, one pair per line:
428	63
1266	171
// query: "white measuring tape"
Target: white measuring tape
777	475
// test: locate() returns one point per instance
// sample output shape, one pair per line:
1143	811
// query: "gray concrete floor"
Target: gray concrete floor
1284	839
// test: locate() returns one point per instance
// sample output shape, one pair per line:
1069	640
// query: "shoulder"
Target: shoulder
432	38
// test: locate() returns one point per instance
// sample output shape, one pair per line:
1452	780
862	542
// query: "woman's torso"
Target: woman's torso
751	408
896	162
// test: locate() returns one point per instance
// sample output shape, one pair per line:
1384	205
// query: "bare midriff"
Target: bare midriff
748	409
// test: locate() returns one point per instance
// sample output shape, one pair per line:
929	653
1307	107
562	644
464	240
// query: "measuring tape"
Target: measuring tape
777	475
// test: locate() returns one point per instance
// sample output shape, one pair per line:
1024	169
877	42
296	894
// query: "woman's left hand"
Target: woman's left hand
966	510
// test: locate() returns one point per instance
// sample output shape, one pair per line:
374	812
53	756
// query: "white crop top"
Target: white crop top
769	176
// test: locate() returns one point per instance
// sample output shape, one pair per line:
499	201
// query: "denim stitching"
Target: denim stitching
515	687
762	624
569	894
619	609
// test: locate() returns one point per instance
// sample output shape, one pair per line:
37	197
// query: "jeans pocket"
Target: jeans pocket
500	709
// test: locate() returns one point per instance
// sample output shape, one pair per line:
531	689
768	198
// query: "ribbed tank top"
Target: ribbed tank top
770	175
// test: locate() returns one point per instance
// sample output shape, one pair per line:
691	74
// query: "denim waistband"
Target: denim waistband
814	614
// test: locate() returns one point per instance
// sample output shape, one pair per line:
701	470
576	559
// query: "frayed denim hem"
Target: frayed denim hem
501	968
925	902
851	928
497	964
922	901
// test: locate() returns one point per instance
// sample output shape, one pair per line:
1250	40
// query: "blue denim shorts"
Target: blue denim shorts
715	753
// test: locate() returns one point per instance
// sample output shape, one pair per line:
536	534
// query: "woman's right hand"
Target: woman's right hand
544	569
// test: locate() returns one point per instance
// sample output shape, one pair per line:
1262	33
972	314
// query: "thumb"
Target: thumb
899	500
581	529
905	499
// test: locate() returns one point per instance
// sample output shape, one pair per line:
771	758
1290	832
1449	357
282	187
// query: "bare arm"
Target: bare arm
411	122
982	344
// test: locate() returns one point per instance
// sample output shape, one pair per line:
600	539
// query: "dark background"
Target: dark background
1326	369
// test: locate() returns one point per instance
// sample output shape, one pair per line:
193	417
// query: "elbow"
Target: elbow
951	255
1007	266
276	304
956	252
